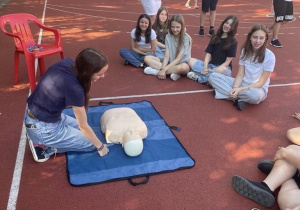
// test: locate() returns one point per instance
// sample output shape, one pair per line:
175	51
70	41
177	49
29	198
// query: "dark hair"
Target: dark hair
138	30
179	19
159	27
230	35
247	48
88	62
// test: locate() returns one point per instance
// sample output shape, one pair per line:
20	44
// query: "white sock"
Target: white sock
151	71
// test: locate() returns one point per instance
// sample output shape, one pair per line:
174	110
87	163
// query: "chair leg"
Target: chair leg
16	66
62	55
31	72
41	65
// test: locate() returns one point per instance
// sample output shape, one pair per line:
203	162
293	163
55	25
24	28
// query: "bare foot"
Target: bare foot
297	115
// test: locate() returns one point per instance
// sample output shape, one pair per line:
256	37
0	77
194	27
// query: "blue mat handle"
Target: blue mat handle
105	103
145	181
175	128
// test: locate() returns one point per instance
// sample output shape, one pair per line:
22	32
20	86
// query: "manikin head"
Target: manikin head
133	143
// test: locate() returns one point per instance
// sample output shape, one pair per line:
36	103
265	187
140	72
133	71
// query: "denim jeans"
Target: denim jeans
132	57
199	66
58	137
160	52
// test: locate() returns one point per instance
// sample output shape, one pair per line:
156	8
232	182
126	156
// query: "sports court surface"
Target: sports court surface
222	140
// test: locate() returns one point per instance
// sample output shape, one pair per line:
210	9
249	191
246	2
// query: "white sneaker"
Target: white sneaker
151	71
187	6
192	75
196	7
175	77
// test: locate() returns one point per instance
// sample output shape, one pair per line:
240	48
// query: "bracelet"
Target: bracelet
100	148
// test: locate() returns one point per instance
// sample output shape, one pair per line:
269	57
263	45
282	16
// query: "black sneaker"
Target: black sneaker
265	166
235	102
143	65
37	152
241	105
276	43
126	62
211	32
248	190
201	32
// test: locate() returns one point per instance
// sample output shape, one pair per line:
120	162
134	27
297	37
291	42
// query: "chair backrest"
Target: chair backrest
19	28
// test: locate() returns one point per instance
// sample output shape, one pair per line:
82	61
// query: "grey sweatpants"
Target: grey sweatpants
223	85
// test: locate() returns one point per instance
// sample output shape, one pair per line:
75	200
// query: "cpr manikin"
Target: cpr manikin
124	126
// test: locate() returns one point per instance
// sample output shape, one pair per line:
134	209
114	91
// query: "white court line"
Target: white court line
15	184
176	93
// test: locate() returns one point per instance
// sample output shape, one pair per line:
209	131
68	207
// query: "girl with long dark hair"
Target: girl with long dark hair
142	42
66	83
219	53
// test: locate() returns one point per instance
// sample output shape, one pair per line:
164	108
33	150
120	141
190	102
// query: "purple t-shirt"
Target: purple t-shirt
57	89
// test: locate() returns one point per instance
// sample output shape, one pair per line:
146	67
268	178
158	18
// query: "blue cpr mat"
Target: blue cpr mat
162	151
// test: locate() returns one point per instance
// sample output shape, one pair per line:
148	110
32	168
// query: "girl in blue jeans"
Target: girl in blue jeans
142	42
219	53
66	83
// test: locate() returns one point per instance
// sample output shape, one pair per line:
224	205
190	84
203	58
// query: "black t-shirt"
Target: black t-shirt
57	89
218	55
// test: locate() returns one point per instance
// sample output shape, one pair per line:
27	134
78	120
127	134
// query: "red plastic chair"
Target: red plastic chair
23	39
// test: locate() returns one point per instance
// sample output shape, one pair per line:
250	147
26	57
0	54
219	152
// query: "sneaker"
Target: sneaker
248	190
193	76
196	7
126	62
143	66
201	32
265	166
175	77
151	71
187	6
211	32
276	43
241	105
235	102
37	152
270	15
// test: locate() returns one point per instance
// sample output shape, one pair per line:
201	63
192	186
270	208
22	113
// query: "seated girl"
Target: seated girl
219	53
178	52
255	66
142	42
161	27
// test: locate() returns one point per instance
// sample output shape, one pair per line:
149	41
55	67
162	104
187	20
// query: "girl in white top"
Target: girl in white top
178	52
255	66
142	42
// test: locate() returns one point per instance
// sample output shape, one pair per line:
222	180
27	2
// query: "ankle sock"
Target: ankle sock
263	186
274	39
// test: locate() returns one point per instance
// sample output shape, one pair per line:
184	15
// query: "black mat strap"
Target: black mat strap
145	181
174	128
101	103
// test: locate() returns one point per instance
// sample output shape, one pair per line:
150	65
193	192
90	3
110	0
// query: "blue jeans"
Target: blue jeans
199	66
160	52
58	137
132	57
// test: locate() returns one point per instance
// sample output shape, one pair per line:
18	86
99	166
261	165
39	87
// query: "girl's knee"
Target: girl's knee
294	135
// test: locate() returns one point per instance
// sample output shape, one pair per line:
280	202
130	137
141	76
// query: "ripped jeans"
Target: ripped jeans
59	137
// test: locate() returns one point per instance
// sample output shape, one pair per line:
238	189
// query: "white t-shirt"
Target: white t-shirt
172	44
151	6
142	43
253	70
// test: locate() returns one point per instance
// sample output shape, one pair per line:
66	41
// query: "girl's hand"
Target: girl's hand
221	69
280	154
103	151
297	115
234	93
205	71
161	74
